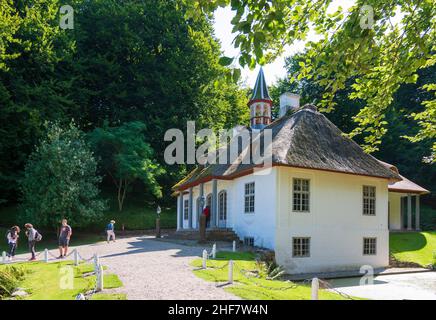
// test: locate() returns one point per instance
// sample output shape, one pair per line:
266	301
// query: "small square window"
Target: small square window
369	246
301	247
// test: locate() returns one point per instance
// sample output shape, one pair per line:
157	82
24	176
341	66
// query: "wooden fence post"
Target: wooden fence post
214	251
202	228
315	288
96	263
76	257
204	259
231	271
158	234
100	282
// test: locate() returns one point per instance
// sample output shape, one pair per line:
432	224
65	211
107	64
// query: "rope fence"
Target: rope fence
77	258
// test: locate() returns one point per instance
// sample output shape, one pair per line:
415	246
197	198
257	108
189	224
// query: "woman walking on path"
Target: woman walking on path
110	231
13	241
31	234
64	238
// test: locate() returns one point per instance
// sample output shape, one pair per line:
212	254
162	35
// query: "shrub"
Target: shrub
267	266
9	280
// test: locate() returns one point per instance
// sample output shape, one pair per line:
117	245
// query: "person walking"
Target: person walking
64	238
13	236
110	231
32	236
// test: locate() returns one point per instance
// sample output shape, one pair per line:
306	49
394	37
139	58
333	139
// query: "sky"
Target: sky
273	71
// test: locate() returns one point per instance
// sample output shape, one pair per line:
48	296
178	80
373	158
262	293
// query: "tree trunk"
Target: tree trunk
120	201
122	190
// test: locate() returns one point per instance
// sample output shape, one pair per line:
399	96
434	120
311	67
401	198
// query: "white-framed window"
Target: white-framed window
369	246
369	200
301	247
186	209
249	198
300	195
249	241
222	205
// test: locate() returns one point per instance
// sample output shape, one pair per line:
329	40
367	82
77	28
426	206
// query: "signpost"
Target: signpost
158	211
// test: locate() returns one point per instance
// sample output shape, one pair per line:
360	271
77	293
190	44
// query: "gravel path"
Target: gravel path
409	286
153	269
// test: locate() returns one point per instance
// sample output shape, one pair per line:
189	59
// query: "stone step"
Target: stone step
211	234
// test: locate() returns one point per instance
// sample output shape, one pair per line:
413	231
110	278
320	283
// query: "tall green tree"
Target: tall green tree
33	85
126	157
124	61
60	180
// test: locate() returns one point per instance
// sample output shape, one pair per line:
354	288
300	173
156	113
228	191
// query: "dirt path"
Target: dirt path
152	269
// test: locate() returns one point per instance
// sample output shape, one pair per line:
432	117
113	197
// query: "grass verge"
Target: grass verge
60	280
248	286
417	247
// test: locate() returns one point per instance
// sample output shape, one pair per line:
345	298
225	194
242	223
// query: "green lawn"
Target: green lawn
417	247
45	280
135	216
253	288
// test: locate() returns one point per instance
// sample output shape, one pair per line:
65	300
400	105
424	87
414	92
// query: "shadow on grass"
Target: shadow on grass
406	241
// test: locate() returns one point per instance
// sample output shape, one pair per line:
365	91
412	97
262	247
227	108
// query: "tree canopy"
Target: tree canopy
378	44
126	157
124	61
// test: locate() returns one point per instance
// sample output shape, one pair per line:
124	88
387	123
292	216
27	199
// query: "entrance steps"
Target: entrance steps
225	234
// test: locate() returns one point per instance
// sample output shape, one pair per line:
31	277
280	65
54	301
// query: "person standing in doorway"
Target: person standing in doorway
64	238
206	212
110	231
13	241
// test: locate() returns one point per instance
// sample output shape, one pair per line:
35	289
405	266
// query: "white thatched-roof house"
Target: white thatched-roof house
325	205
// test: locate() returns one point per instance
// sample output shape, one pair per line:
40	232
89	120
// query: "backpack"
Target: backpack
9	234
38	236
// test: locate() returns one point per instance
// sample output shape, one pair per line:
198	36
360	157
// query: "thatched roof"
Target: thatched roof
305	139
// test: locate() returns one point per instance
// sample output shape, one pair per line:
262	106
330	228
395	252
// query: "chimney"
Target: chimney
288	101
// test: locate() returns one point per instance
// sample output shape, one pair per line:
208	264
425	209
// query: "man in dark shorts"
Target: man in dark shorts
64	238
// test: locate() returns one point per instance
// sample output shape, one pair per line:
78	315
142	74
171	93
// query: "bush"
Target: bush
268	267
10	277
60	180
